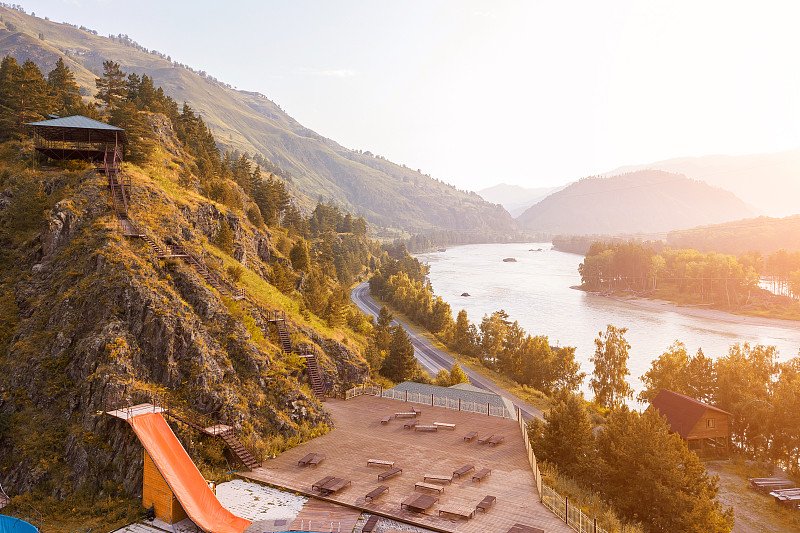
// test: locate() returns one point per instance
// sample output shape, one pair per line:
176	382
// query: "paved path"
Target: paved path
433	359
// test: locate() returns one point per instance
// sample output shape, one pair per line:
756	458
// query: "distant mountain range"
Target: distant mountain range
387	195
646	202
514	198
769	182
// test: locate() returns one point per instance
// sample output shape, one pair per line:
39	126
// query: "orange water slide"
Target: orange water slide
183	477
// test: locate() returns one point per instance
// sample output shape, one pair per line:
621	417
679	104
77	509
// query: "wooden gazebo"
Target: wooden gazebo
79	138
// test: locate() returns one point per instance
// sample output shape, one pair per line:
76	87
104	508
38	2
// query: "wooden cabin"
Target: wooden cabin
705	428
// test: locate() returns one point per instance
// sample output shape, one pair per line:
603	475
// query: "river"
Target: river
535	291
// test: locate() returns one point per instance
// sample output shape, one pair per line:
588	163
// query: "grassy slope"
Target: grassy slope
385	193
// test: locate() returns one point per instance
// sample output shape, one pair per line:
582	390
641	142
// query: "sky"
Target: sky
476	93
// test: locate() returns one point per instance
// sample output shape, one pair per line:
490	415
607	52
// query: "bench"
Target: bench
374	493
484	439
389	473
418	503
318	458
385	419
370	525
425	428
304	461
480	474
412	414
438	479
379	462
457	511
522	528
497	439
334	485
411	424
428	486
444	425
485	503
417	412
463	470
471	435
321	482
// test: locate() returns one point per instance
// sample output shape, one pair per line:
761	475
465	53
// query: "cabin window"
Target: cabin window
710	423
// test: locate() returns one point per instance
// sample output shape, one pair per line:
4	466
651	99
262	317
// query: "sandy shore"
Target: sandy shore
709	314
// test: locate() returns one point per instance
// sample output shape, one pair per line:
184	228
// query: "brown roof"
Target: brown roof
682	412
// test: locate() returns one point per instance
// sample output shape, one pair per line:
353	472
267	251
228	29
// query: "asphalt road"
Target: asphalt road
433	359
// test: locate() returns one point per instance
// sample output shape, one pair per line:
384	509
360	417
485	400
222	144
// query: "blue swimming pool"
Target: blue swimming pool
9	524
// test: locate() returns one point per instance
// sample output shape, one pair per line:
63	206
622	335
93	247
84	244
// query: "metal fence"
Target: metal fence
573	516
432	400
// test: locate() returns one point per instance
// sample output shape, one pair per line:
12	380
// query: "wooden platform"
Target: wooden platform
130	412
320	515
359	436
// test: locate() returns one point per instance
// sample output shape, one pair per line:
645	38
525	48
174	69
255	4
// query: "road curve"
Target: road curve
433	359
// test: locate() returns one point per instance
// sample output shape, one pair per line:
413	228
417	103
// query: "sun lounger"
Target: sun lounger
485	503
304	461
522	528
416	411
379	462
321	482
318	458
444	425
480	474
497	439
370	525
471	435
418	503
463	470
411	414
410	424
335	485
385	419
438	479
374	493
425	428
484	439
428	486
459	511
389	473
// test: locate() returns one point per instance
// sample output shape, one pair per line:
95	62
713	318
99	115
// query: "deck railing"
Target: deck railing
432	400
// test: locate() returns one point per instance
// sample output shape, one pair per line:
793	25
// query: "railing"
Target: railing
573	516
432	400
531	456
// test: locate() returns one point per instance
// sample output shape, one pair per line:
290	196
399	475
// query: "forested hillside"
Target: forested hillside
647	201
762	234
92	319
387	195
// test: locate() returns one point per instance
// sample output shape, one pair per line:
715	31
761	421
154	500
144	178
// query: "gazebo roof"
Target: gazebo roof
79	129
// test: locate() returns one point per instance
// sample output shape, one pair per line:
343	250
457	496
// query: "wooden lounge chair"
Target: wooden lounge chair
419	503
444	425
334	486
428	486
318	458
322	482
438	479
497	439
304	461
471	435
485	503
416	411
522	528
425	428
459	511
410	424
411	414
385	419
463	470
389	473
374	493
480	474
484	439
380	462
370	525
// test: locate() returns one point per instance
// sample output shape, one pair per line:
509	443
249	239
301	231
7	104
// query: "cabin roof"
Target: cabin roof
682	412
79	129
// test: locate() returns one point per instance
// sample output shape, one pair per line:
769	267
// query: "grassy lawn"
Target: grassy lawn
755	512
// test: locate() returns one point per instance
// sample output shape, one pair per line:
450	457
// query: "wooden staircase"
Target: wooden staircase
312	370
242	453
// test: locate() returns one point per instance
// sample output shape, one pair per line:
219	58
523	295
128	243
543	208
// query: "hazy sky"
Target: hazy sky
482	92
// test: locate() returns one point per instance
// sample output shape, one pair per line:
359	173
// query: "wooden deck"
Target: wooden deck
317	515
360	436
136	410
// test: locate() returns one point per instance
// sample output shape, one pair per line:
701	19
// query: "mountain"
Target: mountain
386	194
647	201
762	234
770	182
514	198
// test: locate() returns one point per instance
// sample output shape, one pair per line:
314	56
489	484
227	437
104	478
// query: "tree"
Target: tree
112	87
464	339
567	438
10	96
666	372
400	363
224	237
64	92
35	103
299	255
457	375
610	367
651	476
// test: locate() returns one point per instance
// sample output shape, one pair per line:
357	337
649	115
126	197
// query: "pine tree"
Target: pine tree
400	363
112	87
36	103
10	96
224	237
301	259
64	92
